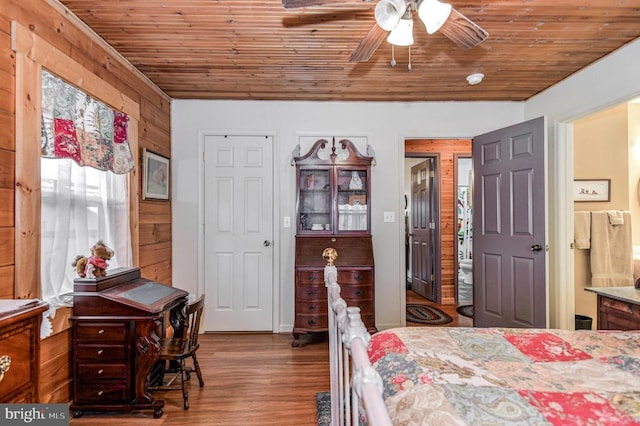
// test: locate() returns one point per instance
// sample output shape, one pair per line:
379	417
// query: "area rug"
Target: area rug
466	310
423	314
323	404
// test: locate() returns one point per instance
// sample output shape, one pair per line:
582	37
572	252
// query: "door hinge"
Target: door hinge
432	174
432	225
433	278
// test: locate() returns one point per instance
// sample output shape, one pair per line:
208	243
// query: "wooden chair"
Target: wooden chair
176	350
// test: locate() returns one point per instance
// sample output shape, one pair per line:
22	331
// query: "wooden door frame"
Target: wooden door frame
437	262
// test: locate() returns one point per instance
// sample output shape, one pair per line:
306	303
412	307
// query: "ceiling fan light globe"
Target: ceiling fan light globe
389	12
402	34
433	14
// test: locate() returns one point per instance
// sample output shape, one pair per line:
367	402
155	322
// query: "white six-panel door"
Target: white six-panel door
238	234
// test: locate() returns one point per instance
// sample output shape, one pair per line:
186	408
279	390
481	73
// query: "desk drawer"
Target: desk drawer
103	391
313	277
101	332
94	371
97	352
312	307
355	276
366	306
316	293
312	322
356	292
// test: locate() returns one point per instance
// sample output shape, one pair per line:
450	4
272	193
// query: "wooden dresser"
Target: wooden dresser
618	307
20	350
117	321
355	276
333	210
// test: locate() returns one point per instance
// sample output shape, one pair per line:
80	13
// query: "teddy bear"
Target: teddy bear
96	264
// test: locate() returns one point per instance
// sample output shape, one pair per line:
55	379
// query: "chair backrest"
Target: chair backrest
194	314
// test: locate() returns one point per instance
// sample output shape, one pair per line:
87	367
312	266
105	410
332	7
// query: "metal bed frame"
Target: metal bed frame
355	385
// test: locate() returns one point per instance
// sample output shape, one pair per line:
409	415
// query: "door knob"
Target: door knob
536	247
266	243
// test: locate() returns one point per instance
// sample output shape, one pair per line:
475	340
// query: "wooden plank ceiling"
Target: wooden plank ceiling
255	49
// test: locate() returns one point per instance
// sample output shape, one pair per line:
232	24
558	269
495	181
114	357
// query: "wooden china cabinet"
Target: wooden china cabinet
333	209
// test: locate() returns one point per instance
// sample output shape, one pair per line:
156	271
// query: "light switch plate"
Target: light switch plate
286	222
389	217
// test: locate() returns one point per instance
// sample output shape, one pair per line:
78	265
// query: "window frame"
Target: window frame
32	54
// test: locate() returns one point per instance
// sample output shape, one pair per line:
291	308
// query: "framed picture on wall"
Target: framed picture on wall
592	190
155	176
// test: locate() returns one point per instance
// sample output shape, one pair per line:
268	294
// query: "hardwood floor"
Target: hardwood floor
250	379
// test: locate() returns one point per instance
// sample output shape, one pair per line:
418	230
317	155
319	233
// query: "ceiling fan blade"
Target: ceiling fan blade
294	4
462	31
368	44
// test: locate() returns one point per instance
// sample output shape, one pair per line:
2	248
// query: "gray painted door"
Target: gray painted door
422	232
509	265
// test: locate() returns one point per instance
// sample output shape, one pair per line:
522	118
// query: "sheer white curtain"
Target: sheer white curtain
80	205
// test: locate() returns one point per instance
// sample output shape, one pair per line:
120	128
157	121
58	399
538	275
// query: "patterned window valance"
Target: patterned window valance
78	127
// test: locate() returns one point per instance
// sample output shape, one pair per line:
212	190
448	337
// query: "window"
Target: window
85	156
31	53
80	205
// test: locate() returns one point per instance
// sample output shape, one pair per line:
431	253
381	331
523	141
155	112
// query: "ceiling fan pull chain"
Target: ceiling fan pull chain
393	56
409	66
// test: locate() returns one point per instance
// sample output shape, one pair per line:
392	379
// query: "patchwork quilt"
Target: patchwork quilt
493	376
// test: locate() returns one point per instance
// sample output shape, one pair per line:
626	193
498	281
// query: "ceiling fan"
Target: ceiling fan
394	21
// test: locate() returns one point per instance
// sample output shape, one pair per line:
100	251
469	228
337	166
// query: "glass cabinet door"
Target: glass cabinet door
353	203
314	210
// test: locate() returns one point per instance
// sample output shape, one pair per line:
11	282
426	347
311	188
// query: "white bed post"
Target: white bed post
353	379
335	352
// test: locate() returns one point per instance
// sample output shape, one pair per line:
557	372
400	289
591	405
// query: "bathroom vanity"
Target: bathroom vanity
618	307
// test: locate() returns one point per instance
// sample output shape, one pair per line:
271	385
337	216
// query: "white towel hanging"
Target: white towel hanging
615	217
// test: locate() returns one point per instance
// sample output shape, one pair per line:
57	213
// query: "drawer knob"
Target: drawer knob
312	322
100	371
100	393
5	364
100	351
358	277
312	277
311	292
101	331
359	293
312	307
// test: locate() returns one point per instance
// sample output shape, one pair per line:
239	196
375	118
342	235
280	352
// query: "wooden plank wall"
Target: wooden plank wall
447	149
48	19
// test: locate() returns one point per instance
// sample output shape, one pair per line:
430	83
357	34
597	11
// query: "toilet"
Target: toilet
466	266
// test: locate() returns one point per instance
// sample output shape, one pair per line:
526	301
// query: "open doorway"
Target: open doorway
445	262
616	132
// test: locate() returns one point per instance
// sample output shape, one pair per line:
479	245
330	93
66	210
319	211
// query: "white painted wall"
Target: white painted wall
385	126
